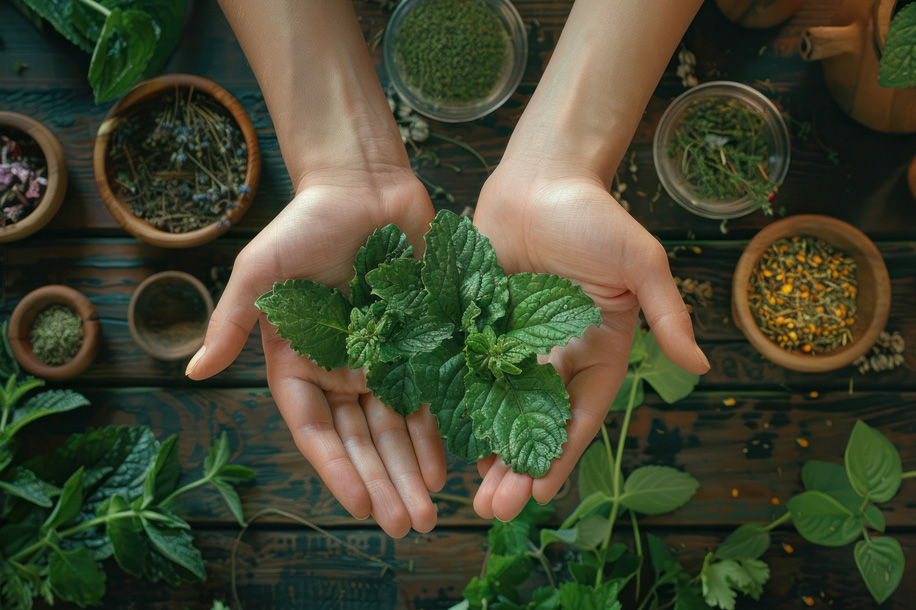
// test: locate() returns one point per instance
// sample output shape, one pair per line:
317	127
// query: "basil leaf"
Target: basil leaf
312	317
897	67
121	55
822	520
383	246
654	490
872	463
76	577
749	541
395	385
670	381
880	562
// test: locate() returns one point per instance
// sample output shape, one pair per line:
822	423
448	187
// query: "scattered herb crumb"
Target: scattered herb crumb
694	294
56	335
885	355
802	442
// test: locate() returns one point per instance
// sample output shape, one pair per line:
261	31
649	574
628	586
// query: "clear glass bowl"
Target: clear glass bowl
457	112
668	168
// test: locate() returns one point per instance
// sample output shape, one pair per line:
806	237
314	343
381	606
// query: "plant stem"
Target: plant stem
184	489
649	595
451	498
41	544
96	7
638	551
465	146
779	521
908	475
536	553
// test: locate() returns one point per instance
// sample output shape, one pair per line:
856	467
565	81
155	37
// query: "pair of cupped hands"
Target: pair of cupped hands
540	217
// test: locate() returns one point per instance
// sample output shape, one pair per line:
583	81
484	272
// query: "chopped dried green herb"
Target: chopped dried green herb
56	335
722	148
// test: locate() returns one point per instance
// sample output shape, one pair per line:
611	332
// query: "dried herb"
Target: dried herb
885	355
22	180
802	294
56	335
179	162
452	50
694	293
722	148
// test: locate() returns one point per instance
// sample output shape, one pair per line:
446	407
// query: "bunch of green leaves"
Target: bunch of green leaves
128	39
108	492
452	330
897	67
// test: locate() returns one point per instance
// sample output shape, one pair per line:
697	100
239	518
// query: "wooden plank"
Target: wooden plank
294	569
867	189
108	270
751	447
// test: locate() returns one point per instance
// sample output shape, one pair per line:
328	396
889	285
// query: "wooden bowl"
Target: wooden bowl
168	315
21	326
138	227
57	175
873	299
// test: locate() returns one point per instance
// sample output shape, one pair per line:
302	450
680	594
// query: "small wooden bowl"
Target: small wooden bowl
57	175
165	313
873	300
21	326
138	227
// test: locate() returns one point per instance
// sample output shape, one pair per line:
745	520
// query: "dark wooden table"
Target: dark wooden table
283	565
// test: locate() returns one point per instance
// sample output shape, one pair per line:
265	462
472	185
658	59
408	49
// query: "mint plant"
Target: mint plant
452	330
108	492
897	67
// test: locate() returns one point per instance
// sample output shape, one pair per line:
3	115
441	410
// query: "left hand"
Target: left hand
566	223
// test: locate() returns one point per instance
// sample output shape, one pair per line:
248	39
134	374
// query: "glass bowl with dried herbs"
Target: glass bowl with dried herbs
177	161
455	60
722	150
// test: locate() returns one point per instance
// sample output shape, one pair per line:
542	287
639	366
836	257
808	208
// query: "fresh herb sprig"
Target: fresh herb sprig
108	492
451	330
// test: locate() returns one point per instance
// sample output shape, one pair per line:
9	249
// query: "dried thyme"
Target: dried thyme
722	150
802	294
179	162
56	335
22	179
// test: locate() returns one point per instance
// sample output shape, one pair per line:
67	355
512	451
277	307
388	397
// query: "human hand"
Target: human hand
372	459
565	222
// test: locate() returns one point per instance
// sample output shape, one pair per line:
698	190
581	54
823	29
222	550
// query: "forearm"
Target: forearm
321	89
603	71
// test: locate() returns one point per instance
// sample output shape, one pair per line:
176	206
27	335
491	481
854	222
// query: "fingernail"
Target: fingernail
703	358
193	363
362	518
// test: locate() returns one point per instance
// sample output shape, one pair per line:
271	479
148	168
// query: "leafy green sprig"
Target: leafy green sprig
453	331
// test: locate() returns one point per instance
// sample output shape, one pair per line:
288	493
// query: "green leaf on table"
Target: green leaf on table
622	399
23	483
872	463
231	496
820	519
577	596
748	541
59	13
545	311
312	317
523	416
723	580
385	245
218	455
395	384
668	379
880	561
176	545
874	517
235	472
75	576
68	503
45	403
9	366
831	479
897	67
654	490
399	284
168	17
123	51
129	546
460	268
162	478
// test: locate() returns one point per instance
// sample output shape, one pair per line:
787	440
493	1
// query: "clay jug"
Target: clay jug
759	13
849	50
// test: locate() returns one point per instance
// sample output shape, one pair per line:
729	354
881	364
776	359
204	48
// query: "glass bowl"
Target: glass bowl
457	112
669	172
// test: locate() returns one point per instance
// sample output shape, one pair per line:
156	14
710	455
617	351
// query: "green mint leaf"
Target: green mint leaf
663	561
129	546
76	577
872	464
545	311
587	535
748	541
523	416
395	385
68	503
46	403
874	517
831	479
60	14
234	472
9	366
502	575
231	496
576	596
509	537
469	319
654	490
822	520
124	49
312	317
589	505
399	284
670	381
168	16
384	246
417	337
162	478
595	473
897	67
622	400
364	339
177	546
23	483
880	562
460	268
217	455
440	374
488	354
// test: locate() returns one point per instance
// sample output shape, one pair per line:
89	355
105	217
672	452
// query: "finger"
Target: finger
484	465
392	441
483	499
424	434
387	507
513	493
305	410
230	324
591	393
665	311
